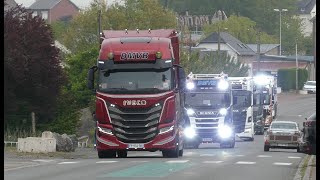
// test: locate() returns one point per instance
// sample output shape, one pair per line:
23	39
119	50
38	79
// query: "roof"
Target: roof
9	4
305	6
264	48
47	4
25	3
234	43
286	58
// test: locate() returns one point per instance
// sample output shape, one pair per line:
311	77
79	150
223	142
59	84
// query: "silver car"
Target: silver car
310	86
282	135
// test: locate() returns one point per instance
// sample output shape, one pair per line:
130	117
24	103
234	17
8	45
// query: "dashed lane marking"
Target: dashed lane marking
70	162
213	162
177	161
294	157
239	155
282	164
245	162
105	162
264	156
43	160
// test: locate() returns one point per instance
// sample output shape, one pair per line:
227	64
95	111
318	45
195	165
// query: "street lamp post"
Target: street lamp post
297	66
282	10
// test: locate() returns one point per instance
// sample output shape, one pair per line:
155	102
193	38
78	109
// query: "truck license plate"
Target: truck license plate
207	139
282	145
135	146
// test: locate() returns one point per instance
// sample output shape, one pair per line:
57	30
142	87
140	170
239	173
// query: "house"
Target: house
306	10
53	10
9	4
233	46
270	49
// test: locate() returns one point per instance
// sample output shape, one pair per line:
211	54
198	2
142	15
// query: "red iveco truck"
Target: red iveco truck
139	93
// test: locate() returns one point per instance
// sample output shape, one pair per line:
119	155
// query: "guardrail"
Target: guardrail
6	143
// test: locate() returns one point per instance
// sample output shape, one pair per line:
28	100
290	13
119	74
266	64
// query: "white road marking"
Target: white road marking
264	156
207	155
105	162
177	161
43	160
239	155
282	164
70	162
213	162
294	157
245	162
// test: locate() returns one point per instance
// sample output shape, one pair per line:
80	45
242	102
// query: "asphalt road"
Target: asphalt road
247	161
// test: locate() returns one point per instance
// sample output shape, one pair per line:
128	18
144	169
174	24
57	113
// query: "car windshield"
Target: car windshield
215	100
135	81
310	83
284	126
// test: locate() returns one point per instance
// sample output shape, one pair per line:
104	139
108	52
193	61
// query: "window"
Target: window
44	14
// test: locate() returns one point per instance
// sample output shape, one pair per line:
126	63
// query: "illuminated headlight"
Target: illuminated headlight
105	130
223	111
166	129
225	131
261	80
189	132
223	85
190	85
190	112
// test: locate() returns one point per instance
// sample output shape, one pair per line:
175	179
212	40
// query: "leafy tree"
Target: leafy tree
32	72
82	33
211	63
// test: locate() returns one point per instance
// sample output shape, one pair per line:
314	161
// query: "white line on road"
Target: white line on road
105	162
207	155
282	164
264	156
43	160
245	162
294	157
177	161
71	162
213	162
239	155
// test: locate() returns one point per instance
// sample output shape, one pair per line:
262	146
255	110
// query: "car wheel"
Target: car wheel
106	154
122	154
298	149
266	148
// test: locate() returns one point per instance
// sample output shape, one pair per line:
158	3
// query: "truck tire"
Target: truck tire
106	154
122	154
181	152
266	148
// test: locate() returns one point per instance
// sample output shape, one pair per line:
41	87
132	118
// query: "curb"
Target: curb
307	175
298	174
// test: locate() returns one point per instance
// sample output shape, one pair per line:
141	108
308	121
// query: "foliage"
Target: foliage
32	73
59	28
212	64
82	33
241	28
287	78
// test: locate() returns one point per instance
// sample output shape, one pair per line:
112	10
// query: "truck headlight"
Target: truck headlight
105	130
224	131
190	85
166	129
223	85
190	112
189	132
223	111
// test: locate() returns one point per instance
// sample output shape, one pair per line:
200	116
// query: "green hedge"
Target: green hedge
287	78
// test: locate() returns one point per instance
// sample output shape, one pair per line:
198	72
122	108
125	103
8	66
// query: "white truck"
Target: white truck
268	86
242	95
208	103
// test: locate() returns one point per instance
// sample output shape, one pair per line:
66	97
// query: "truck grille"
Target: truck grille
138	125
239	121
206	125
206	120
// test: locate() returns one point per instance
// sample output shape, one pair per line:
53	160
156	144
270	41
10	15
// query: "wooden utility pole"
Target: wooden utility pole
218	42
33	124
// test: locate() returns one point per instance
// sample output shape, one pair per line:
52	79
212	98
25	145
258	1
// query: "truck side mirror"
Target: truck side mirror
90	78
182	78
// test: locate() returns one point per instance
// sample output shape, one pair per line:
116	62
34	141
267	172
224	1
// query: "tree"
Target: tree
32	72
211	63
82	33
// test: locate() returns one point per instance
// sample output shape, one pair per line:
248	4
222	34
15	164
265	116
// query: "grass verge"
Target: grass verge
304	166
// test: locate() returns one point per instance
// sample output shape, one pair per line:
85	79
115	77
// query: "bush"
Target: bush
287	78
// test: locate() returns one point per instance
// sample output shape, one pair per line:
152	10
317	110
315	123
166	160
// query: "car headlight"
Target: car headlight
223	111
105	130
190	85
224	131
166	129
190	112
223	85
189	132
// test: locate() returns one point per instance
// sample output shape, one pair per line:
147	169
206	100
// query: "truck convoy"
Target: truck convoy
139	93
268	86
208	102
242	98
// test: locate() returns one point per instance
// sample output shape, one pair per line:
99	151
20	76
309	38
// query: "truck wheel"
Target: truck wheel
266	148
181	152
122	154
107	154
171	153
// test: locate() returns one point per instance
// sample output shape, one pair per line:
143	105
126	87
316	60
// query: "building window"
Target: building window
44	14
34	14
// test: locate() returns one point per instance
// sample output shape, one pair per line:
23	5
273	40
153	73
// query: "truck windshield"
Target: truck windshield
137	81
241	98
266	99
215	100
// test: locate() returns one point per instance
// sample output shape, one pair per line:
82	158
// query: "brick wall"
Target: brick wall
63	8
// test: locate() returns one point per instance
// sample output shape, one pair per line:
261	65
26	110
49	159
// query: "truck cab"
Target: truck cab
242	95
208	103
